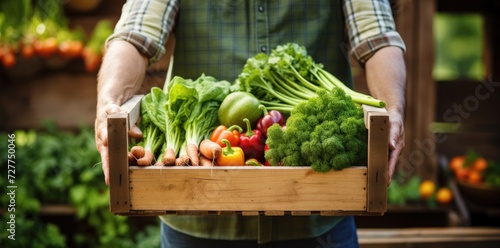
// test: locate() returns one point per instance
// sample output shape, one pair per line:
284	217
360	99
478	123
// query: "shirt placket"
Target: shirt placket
262	45
262	26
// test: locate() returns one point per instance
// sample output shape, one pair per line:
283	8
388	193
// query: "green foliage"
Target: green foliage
326	132
58	167
185	111
400	194
289	76
458	40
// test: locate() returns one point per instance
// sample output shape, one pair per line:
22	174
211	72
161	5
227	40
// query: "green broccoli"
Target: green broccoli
326	132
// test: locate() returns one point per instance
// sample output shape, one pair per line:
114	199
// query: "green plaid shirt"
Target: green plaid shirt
217	37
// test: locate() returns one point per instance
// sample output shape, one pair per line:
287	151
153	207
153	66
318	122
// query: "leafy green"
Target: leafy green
203	117
400	194
289	76
185	112
60	167
326	132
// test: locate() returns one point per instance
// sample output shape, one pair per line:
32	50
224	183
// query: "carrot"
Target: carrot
169	157
192	153
204	161
159	163
210	149
147	160
137	152
131	159
182	160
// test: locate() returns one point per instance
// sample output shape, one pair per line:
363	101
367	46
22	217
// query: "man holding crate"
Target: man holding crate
216	38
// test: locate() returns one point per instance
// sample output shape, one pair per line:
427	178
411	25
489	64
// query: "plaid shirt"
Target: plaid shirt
217	37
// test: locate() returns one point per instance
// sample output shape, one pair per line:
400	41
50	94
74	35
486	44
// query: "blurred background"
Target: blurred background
445	191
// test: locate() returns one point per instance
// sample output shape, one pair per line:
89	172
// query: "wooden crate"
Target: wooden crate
246	190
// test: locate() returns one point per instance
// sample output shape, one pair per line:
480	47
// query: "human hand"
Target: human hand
101	135
396	141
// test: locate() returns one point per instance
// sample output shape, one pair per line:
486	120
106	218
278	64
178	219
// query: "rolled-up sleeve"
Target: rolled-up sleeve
370	26
146	24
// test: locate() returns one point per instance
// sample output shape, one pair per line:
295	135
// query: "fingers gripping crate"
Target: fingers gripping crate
246	190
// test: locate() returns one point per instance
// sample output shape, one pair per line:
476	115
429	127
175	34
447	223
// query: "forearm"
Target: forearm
386	78
121	75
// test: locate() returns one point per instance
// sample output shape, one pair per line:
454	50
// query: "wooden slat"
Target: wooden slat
118	127
247	189
133	107
378	135
438	237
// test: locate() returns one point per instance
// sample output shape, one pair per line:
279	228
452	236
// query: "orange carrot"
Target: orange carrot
131	159
204	161
147	160
192	153
137	152
182	160
210	149
169	157
159	162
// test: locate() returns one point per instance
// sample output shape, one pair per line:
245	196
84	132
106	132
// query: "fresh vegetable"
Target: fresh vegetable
253	162
185	111
201	122
183	159
204	161
237	106
9	60
232	134
153	140
252	142
94	49
266	148
204	98
269	118
46	48
210	149
427	188
327	132
289	76
473	168
403	193
231	155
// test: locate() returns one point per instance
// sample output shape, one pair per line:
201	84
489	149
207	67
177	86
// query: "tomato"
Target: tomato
457	162
9	60
71	49
28	51
462	174
91	59
475	177
46	48
480	164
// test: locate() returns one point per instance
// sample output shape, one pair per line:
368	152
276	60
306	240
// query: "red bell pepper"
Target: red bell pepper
232	134
269	118
252	142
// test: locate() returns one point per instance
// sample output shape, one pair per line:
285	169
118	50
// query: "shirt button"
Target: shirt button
261	8
263	49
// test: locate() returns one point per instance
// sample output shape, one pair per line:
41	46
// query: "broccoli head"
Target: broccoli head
326	132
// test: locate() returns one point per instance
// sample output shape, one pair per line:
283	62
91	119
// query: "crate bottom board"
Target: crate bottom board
247	190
